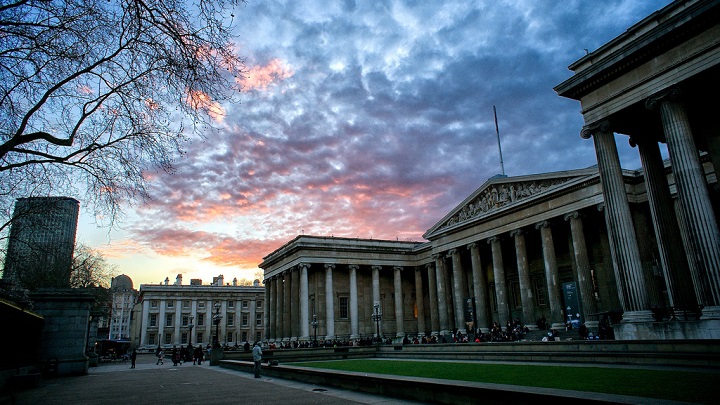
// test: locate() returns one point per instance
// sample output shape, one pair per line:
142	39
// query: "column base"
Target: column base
557	326
532	327
710	313
668	330
637	316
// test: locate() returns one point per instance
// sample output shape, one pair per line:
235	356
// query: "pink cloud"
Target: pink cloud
260	77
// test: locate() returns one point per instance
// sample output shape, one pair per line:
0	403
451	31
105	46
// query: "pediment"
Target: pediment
499	193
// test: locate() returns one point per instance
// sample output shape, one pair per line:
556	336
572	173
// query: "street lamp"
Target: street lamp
216	319
191	326
377	317
314	324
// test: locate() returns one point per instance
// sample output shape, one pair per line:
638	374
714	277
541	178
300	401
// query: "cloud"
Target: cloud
374	119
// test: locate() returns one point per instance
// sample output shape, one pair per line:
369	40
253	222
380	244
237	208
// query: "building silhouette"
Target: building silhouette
41	243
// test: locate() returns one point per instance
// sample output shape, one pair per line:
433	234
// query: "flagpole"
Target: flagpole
497	131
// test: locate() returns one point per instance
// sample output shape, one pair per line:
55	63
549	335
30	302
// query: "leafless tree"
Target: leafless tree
90	269
94	95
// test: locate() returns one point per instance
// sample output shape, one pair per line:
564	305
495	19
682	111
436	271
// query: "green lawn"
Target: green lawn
698	387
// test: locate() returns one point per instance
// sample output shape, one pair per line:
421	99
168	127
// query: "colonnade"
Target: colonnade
686	229
442	280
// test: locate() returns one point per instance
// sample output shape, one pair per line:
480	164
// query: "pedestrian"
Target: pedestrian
257	358
159	354
133	357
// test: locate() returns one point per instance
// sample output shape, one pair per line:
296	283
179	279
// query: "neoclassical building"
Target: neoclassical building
639	246
179	314
123	299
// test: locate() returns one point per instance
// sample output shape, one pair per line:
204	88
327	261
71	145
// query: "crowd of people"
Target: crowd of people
184	354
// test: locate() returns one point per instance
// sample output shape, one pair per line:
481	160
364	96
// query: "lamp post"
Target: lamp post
314	324
377	317
191	326
216	319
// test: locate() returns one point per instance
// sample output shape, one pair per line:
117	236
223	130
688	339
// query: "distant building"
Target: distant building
177	314
124	298
41	243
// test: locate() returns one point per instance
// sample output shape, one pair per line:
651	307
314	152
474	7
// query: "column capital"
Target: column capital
378	268
354	267
516	232
601	206
398	268
329	266
452	252
472	246
571	215
669	94
428	265
492	239
304	265
589	130
542	224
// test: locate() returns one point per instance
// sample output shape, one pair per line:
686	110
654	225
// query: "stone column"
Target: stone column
304	302
673	258
329	303
376	292
145	321
178	322
268	313
442	304
433	297
294	304
161	323
287	304
479	289
279	307
582	264
552	277
420	302
399	314
500	286
354	322
693	195
458	296
526	289
623	241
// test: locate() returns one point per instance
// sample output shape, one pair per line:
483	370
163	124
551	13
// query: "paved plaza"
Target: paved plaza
148	383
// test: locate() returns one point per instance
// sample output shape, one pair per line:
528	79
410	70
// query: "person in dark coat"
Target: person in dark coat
133	357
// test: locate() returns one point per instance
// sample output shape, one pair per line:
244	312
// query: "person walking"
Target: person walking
133	357
257	358
159	353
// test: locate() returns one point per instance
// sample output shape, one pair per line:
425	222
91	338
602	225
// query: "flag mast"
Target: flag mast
497	131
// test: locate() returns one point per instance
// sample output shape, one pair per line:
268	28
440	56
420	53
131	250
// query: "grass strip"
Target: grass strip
688	386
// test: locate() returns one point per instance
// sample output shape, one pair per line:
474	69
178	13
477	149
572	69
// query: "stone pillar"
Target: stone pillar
442	304
287	304
482	313
623	241
693	195
178	322
433	297
500	285
161	323
268	310
304	302
279	307
294	304
526	289
329	303
458	296
376	292
673	258
145	317
354	322
419	302
582	264
552	277
399	314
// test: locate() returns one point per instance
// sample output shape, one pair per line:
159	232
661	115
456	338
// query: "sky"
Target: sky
367	119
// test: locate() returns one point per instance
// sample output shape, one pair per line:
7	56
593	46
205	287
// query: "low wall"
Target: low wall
432	390
689	353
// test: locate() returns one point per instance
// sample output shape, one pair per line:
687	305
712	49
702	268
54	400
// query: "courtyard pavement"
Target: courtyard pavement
148	383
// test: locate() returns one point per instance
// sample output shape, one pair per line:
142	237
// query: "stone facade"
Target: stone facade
579	246
177	314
